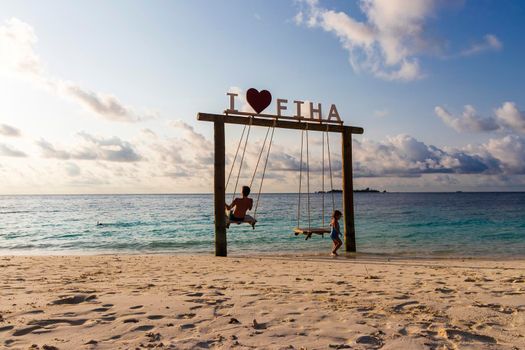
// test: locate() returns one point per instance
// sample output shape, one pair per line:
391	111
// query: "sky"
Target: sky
102	97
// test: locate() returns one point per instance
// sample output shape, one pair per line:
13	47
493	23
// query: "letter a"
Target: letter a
333	113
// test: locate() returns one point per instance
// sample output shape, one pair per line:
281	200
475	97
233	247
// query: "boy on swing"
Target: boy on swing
241	205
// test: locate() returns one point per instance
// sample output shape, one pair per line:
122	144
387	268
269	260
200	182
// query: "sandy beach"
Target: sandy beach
192	302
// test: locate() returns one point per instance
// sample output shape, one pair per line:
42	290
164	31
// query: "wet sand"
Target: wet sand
192	302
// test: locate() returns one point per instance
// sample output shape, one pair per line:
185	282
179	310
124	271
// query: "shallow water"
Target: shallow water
400	224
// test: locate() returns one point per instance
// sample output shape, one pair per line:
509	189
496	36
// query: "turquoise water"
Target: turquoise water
400	224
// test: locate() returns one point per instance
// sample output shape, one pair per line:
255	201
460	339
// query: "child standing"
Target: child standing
335	232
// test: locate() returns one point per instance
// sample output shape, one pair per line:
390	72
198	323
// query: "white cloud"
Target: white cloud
405	156
18	58
93	148
105	105
468	121
390	40
490	43
8	130
381	113
8	151
510	116
507	117
72	169
17	41
510	151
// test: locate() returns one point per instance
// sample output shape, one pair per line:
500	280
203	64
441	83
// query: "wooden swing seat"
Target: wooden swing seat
247	220
308	232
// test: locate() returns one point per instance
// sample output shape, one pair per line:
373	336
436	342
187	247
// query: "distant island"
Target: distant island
368	190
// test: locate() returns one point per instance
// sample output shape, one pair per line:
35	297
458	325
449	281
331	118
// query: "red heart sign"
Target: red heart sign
258	100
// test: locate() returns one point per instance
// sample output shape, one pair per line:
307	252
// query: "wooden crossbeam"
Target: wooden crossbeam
283	124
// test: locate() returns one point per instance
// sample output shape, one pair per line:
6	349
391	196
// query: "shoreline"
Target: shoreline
385	257
262	302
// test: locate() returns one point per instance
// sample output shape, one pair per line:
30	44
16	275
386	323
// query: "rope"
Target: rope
300	179
308	179
330	167
235	158
242	159
260	154
322	180
264	169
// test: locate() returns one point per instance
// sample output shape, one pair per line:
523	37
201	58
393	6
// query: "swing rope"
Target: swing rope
235	158
330	168
265	164
322	179
259	157
300	182
308	180
242	159
304	135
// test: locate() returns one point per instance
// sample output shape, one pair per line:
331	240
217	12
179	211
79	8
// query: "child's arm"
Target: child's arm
229	207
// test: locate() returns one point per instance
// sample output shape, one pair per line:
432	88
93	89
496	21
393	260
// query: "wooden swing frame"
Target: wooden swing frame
219	120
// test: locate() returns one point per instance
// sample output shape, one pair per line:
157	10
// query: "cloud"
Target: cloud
468	121
405	156
490	43
390	39
49	151
381	113
72	169
105	105
507	117
8	151
510	151
19	59
93	148
186	157
17	41
7	130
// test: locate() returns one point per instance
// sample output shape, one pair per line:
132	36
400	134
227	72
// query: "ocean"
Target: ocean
440	225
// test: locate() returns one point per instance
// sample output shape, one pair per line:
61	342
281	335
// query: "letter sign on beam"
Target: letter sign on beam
333	113
281	106
298	109
232	101
315	110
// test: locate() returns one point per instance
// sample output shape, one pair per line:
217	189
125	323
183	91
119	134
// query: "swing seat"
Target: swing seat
308	232
247	220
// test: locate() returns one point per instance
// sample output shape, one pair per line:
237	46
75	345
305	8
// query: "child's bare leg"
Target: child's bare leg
337	245
334	249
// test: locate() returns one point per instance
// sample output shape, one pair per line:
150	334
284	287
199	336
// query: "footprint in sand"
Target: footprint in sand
143	328
6	328
155	317
32	312
369	340
101	309
131	320
75	299
136	307
24	331
459	335
187	326
400	307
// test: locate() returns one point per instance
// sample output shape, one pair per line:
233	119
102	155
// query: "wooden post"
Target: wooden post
348	191
219	190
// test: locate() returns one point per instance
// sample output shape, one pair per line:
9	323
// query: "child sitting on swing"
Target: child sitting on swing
335	232
241	205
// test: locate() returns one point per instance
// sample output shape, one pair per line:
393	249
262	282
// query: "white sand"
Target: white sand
187	302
